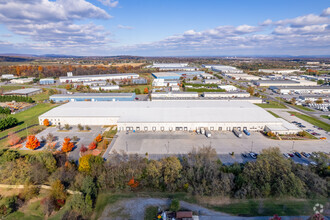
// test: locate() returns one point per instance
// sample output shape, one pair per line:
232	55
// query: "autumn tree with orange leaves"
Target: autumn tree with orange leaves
99	138
32	142
67	145
146	91
133	183
46	122
92	146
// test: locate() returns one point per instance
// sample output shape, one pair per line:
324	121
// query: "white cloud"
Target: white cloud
53	22
109	3
124	27
310	19
326	12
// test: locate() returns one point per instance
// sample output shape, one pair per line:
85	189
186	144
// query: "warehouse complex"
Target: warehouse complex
267	83
175	75
279	71
166	116
110	77
301	89
92	97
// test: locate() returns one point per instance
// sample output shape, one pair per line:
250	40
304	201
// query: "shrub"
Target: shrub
80	127
67	145
46	122
67	127
175	205
98	138
87	127
8	205
92	146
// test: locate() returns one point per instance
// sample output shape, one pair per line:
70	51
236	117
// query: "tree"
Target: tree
84	165
146	91
67	127
80	127
67	145
83	149
50	137
92	145
319	101
46	122
320	82
133	183
58	190
13	139
171	171
137	91
87	127
32	142
98	138
293	101
250	90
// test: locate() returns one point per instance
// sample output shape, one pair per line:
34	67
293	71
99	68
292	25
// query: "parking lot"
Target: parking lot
84	138
160	143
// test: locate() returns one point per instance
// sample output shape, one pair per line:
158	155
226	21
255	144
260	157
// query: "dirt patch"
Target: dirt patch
214	201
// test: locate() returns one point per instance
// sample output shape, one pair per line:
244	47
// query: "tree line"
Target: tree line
10	98
198	173
8	122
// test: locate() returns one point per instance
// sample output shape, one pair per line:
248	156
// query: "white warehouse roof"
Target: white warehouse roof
166	111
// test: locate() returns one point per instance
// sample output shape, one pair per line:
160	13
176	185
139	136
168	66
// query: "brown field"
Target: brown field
127	64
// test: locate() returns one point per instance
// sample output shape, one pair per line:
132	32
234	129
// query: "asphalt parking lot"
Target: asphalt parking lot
84	138
159	143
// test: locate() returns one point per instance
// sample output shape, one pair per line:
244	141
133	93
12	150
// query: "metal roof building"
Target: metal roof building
92	97
164	116
110	77
175	75
24	92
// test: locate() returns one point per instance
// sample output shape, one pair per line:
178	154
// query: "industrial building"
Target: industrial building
207	76
225	94
22	80
250	99
228	88
241	76
24	92
212	81
165	115
164	82
7	76
175	75
279	71
92	97
267	83
95	83
110	77
105	88
173	67
222	68
301	89
174	95
47	81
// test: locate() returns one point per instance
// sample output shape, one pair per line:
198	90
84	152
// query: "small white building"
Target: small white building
228	88
7	76
95	83
242	76
105	88
164	83
207	76
285	128
22	80
212	81
175	88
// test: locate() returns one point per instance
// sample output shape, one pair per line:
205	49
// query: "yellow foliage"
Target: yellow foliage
84	165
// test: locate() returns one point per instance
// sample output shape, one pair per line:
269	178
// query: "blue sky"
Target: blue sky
165	28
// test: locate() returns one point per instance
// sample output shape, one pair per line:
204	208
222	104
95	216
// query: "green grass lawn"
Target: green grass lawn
26	118
201	85
304	108
40	97
271	104
8	88
325	116
272	113
151	213
32	212
270	207
313	121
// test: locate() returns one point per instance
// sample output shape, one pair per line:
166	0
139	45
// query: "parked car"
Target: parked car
309	130
253	155
286	155
291	155
313	163
307	155
314	154
297	154
244	155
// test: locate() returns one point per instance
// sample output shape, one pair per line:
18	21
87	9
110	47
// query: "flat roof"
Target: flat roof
91	95
167	111
175	92
277	81
230	92
23	91
300	87
101	75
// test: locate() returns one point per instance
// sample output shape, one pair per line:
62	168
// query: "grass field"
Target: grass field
239	207
270	207
313	121
8	88
271	104
272	113
325	116
26	118
40	97
133	87
304	108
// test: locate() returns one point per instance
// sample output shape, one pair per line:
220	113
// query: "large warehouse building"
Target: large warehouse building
165	115
92	97
110	77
